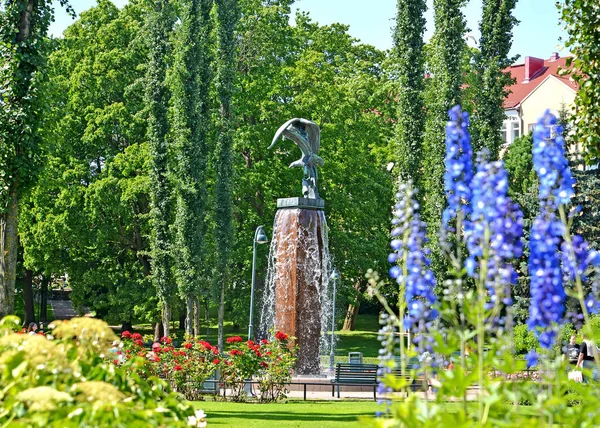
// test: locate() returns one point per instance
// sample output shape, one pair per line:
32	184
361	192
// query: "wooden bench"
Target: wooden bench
355	375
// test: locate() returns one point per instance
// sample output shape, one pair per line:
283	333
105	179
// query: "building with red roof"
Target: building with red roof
538	86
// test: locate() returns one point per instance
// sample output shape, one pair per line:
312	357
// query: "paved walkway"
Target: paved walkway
63	310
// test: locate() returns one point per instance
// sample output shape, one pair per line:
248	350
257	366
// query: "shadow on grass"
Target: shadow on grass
215	415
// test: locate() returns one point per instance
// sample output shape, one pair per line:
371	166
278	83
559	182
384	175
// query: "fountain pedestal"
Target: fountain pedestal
301	236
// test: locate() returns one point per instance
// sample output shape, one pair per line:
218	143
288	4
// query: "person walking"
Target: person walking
586	358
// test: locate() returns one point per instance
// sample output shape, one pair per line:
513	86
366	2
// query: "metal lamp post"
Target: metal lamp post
260	237
334	276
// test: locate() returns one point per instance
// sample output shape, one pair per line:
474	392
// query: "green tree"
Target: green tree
581	19
159	25
88	214
23	31
491	81
445	62
410	68
227	18
191	122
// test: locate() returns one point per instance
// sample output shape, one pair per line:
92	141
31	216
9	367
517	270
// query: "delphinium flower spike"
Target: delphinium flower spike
496	224
411	267
547	305
459	165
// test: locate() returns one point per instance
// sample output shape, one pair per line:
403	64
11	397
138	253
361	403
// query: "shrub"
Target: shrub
524	339
68	380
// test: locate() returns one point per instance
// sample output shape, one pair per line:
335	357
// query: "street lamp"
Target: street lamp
260	237
334	276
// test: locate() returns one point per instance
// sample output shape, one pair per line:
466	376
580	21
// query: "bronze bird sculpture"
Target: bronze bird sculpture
307	136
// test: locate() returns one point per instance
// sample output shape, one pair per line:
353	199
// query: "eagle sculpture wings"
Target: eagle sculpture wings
307	136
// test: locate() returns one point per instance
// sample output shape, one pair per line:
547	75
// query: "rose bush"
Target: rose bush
189	367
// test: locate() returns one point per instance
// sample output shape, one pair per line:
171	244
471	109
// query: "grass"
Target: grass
292	414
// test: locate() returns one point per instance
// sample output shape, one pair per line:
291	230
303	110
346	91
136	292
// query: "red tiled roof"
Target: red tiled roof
520	90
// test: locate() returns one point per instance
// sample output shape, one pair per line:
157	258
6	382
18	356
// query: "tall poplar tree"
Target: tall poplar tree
227	18
23	29
191	121
443	92
157	98
491	79
410	69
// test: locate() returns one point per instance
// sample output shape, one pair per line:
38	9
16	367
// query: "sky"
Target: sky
371	22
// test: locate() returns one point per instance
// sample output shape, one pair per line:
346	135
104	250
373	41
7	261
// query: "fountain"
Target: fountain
296	298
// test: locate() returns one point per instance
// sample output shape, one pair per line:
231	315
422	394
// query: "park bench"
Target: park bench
354	375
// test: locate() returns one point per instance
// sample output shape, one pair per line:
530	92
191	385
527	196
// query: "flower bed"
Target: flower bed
188	368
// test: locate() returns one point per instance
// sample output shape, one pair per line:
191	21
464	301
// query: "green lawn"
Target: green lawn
313	414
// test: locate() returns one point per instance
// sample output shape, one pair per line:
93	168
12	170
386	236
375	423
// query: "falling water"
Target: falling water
299	253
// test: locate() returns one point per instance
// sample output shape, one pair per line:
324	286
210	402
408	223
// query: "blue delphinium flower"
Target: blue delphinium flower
547	305
550	163
409	244
496	227
458	164
531	358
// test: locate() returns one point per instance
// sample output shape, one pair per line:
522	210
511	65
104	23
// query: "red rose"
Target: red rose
177	367
188	345
234	339
136	336
281	335
216	361
262	363
157	359
166	340
258	354
215	350
126	334
116	362
264	342
139	342
235	352
250	344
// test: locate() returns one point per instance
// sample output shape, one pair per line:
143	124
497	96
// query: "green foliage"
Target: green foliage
490	81
191	123
88	214
159	24
581	19
518	162
524	340
409	65
442	93
66	382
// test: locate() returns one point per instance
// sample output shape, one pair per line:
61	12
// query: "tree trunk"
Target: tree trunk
166	318
158	331
44	299
196	317
207	316
189	316
352	312
351	316
28	297
183	315
8	255
221	319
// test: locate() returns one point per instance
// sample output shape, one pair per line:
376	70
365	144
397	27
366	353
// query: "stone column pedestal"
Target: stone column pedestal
299	276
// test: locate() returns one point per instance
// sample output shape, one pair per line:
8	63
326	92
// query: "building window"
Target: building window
503	133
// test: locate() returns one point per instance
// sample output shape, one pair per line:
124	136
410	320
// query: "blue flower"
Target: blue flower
494	230
458	163
550	163
418	278
547	304
531	358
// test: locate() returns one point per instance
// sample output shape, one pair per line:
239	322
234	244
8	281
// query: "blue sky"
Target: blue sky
371	21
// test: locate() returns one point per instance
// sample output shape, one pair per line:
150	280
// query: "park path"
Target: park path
63	310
